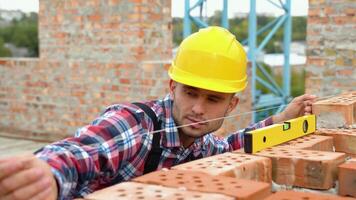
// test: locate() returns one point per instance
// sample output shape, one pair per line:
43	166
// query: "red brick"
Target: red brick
60	35
125	81
311	142
314	12
3	62
341	20
139	191
316	61
347	179
233	165
328	10
201	182
316	2
350	11
154	16
304	168
344	139
293	195
78	93
318	20
336	112
345	72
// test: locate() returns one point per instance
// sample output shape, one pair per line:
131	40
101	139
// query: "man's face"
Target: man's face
194	105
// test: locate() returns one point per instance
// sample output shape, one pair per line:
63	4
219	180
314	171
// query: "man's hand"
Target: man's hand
26	177
299	106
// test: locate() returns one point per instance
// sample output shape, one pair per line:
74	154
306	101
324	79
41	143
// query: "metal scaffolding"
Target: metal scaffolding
199	21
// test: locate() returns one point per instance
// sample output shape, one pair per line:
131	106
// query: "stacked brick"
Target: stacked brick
311	142
293	195
344	139
233	164
314	163
336	112
304	168
216	178
347	179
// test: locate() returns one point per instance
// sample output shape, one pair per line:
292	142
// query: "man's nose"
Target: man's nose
198	107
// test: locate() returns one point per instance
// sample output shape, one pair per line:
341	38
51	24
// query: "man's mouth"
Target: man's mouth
196	123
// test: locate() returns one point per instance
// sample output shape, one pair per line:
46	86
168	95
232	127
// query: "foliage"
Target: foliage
297	80
22	33
4	52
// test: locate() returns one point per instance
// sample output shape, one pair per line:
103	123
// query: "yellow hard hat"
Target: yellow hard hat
211	59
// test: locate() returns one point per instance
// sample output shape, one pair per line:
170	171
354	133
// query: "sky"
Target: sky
299	7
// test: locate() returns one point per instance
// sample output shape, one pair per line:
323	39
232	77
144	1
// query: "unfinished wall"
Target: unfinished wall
93	53
331	49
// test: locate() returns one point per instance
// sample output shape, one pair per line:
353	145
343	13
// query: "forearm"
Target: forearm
65	167
77	163
277	118
236	139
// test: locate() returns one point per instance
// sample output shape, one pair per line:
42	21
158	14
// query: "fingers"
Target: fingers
19	180
38	190
22	178
307	97
307	110
43	195
8	168
2	160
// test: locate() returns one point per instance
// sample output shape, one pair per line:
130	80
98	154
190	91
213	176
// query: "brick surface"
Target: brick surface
330	25
140	191
304	168
344	139
347	179
293	195
336	112
92	54
234	165
311	142
197	181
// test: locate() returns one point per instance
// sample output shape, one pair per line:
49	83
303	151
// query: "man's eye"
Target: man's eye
190	93
213	100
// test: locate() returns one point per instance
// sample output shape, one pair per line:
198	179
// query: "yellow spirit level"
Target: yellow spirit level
269	136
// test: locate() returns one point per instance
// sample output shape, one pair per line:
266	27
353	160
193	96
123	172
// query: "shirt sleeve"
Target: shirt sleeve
236	140
92	158
215	145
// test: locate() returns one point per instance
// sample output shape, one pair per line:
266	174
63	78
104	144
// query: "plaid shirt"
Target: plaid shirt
115	146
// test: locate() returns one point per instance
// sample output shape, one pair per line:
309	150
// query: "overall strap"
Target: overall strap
154	155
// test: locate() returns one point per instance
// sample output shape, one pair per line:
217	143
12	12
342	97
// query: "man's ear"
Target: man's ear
172	87
233	103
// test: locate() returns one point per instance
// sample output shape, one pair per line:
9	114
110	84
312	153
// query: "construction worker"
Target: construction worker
128	140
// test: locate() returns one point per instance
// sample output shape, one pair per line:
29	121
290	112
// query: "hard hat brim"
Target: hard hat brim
223	86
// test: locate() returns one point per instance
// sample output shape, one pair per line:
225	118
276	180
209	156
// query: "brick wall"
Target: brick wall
111	30
331	49
49	99
92	54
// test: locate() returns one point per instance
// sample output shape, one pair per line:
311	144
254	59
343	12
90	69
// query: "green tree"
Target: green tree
4	52
23	33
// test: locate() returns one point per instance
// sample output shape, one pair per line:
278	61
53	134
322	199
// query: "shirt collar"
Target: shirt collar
170	137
